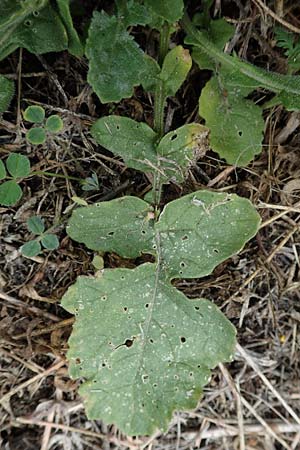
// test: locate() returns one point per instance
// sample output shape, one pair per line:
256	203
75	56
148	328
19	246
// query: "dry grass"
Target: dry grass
252	403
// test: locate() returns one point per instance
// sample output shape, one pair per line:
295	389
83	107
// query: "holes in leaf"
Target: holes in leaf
240	133
172	325
191	374
182	264
147	305
28	23
94	381
151	341
180	272
35	13
173	137
183	339
128	342
215	250
77	361
125	309
154	385
145	378
118	127
122	277
184	238
111	233
197	308
143	232
103	365
103	298
176	377
154	246
199	366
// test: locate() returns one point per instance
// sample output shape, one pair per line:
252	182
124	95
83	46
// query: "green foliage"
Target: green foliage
54	124
116	63
287	41
6	93
169	10
133	314
235	122
90	183
175	68
45	239
38	26
17	167
36	115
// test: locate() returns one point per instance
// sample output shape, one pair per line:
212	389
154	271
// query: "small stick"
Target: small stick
276	17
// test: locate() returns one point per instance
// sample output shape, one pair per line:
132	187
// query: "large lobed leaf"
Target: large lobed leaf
143	348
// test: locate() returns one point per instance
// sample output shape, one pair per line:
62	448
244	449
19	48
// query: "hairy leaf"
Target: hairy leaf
50	241
133	141
31	248
122	225
150	349
7	90
143	347
176	66
36	225
180	149
117	64
169	10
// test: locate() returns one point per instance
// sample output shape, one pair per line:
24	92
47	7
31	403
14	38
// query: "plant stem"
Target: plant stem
159	107
57	175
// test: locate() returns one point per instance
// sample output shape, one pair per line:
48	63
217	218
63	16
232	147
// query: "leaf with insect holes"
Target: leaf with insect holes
31	249
36	136
2	170
34	114
50	241
179	150
175	68
54	124
143	348
10	193
40	26
6	93
116	63
36	225
133	141
18	165
114	226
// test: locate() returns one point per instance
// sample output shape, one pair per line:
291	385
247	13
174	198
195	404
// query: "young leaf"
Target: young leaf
34	114
36	136
34	25
176	66
90	183
169	10
133	141
74	44
31	248
2	170
6	93
180	149
54	124
18	165
117	64
50	241
10	193
121	225
36	225
143	353
169	342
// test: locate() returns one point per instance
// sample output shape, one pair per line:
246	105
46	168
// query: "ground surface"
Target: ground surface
258	290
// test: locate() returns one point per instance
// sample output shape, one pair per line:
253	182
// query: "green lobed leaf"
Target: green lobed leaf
36	136
36	225
2	170
54	124
7	90
34	25
50	241
31	248
179	150
18	165
169	10
116	63
142	347
10	193
133	141
236	124
175	68
34	114
122	225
